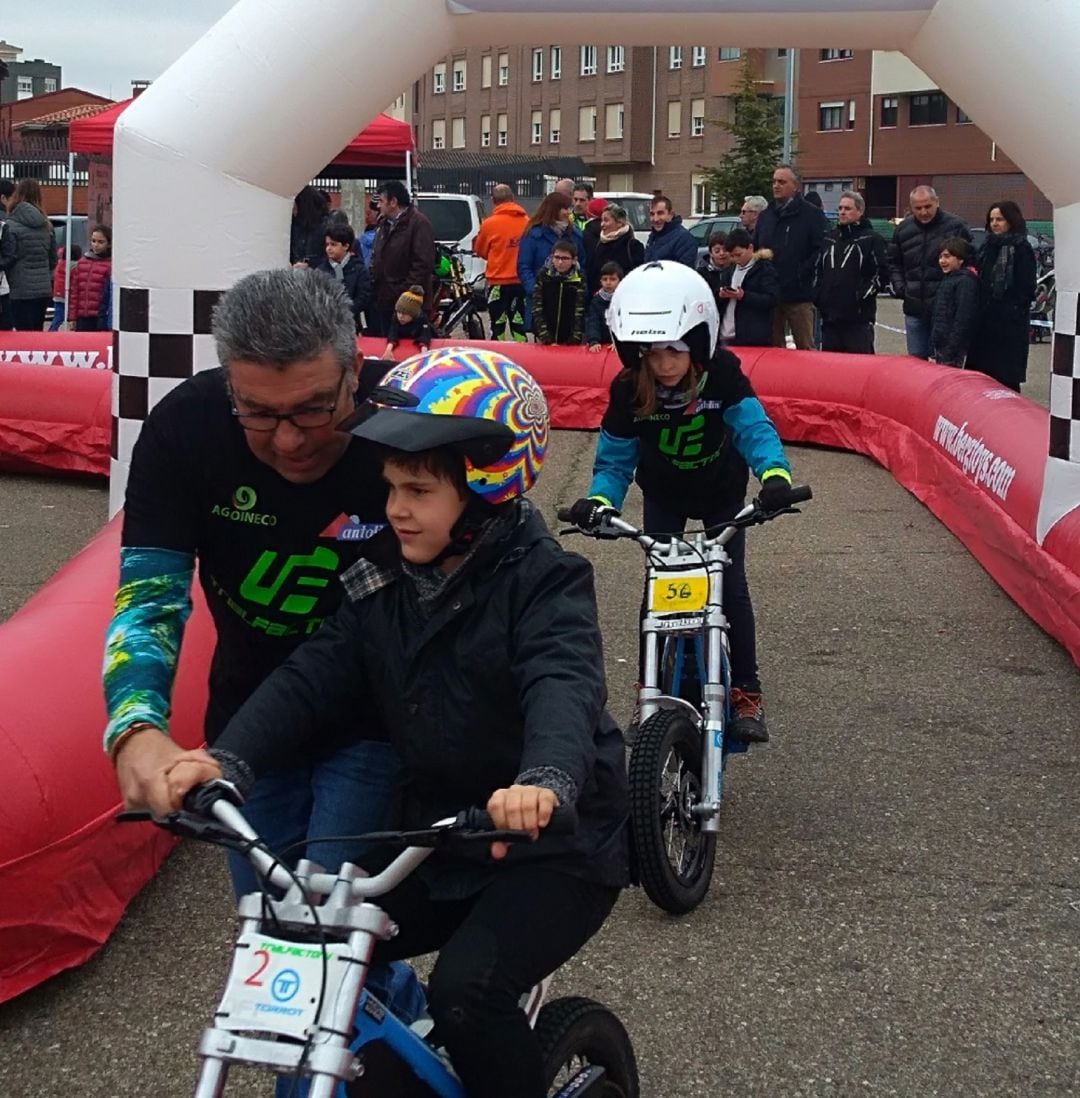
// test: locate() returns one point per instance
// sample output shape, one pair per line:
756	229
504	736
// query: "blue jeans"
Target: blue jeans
917	330
59	310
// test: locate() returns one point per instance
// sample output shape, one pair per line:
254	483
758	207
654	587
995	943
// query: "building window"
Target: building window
616	58
459	75
588	60
504	69
502	131
24	87
674	57
830	116
438	84
438	133
851	114
538	65
702	200
485	131
890	112
613	121
537	127
730	53
782	52
674	118
457	133
837	55
962	118
697	117
50	84
586	123
698	56
556	62
555	125
485	71
929	109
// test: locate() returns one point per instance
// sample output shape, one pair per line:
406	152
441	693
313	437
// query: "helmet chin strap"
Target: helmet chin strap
463	534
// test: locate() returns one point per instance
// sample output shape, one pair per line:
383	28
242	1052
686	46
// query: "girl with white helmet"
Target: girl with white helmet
683	421
473	635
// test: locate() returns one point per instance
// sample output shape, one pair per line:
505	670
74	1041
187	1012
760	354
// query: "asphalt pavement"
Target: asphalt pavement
896	906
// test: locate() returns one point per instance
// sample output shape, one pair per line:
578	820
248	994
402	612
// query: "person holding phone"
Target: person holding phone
748	294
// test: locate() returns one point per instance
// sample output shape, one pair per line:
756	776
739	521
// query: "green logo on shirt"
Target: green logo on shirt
260	587
241	508
684	441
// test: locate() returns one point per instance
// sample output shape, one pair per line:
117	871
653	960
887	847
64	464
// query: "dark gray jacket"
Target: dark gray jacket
913	260
30	276
795	234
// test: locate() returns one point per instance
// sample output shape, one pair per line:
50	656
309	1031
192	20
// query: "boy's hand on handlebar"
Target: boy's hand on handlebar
587	514
190	769
520	808
140	761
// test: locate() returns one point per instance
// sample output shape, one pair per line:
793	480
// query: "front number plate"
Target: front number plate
275	985
679	594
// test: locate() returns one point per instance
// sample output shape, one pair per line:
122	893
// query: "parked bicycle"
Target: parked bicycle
461	302
680	750
295	1001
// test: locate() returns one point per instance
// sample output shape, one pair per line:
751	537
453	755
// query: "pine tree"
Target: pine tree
757	132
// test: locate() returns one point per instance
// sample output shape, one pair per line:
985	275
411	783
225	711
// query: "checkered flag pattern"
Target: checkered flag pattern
1065	378
162	338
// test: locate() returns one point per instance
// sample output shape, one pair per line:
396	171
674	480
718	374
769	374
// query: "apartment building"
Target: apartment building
874	119
640	118
26	79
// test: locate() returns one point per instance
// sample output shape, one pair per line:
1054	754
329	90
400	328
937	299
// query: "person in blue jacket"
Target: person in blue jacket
684	422
669	239
547	226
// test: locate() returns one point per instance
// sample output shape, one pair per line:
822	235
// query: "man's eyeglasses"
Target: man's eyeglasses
305	419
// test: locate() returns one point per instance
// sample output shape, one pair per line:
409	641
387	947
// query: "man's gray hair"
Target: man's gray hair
566	186
930	192
860	202
282	316
790	168
501	192
756	202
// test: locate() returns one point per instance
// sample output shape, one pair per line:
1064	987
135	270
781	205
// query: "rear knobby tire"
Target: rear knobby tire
675	857
575	1033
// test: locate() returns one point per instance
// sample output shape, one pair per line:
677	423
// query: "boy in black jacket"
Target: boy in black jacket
409	322
344	266
956	305
558	301
748	293
597	332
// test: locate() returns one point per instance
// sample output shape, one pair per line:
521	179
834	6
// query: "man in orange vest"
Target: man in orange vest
497	242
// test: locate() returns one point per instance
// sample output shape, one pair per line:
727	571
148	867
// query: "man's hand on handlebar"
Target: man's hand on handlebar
520	808
140	762
588	514
187	770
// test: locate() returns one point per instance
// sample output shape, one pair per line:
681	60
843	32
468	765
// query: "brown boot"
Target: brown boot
747	716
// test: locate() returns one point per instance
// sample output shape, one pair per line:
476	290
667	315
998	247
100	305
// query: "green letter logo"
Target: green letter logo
684	441
257	588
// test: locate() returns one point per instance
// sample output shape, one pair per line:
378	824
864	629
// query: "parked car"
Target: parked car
706	226
79	230
455	220
636	204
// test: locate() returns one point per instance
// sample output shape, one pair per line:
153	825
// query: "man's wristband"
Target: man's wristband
131	730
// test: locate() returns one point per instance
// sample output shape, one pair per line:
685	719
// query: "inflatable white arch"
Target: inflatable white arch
231	132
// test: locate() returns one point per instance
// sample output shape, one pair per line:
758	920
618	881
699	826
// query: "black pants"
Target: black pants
506	304
739	610
7	318
29	314
88	324
855	337
493	947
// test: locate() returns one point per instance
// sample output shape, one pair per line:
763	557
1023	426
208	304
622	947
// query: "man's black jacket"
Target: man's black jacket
850	273
795	234
913	259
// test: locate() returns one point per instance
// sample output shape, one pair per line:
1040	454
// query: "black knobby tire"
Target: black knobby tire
575	1033
474	327
674	856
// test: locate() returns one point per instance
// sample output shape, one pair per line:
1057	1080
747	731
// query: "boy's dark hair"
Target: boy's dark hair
341	234
442	462
73	254
737	238
394	188
717	238
957	246
7	188
567	247
611	268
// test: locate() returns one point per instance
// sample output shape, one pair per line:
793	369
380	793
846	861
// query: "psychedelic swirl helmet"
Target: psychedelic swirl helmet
477	402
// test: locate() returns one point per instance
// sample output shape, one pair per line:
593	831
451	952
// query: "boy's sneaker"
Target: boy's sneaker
748	716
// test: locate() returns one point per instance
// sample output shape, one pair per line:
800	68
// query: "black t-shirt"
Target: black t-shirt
687	456
269	551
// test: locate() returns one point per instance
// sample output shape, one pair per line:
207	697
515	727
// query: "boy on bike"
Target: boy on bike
683	421
474	636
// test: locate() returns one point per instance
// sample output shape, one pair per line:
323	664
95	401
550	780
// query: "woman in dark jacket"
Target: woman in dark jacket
749	291
617	244
550	224
30	276
1007	274
307	233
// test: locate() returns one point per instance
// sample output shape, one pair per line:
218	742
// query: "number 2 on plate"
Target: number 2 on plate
253	980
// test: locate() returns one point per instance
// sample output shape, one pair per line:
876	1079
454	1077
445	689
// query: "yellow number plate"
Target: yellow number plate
679	594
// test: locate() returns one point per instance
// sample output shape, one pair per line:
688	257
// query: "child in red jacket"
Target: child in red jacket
89	280
59	301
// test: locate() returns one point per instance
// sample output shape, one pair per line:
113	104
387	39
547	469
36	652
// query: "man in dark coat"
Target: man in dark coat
669	239
913	263
850	273
404	252
794	231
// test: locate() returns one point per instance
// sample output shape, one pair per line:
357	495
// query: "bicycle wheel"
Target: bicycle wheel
474	327
576	1033
675	857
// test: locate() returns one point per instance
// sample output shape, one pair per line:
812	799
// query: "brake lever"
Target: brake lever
188	826
571	530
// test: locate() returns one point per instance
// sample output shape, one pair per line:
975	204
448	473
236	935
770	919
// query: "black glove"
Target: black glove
775	494
587	513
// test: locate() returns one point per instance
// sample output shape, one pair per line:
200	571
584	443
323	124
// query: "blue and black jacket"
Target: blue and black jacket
694	455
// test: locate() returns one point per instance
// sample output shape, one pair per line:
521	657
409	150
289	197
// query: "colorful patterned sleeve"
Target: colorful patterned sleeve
142	642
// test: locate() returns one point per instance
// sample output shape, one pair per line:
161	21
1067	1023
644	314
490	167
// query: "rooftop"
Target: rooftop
61	118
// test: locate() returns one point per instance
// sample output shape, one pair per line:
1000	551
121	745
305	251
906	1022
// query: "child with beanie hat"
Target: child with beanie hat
409	322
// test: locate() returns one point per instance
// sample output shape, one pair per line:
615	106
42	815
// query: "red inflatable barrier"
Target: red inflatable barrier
67	869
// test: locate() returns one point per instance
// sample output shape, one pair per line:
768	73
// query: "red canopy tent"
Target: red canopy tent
381	145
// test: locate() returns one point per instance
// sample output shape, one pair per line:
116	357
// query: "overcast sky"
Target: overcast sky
102	47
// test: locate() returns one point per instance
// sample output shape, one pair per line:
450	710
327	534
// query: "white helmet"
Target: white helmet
662	302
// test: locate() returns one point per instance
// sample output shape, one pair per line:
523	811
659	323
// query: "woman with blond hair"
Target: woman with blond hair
30	276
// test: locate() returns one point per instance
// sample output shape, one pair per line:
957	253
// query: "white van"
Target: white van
636	204
455	219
